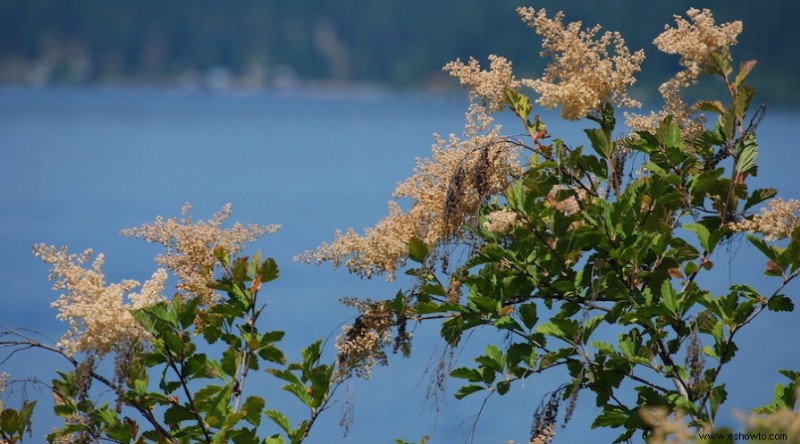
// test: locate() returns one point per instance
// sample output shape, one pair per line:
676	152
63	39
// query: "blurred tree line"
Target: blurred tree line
260	43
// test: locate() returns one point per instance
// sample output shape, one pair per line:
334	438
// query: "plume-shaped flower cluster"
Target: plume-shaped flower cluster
191	245
488	86
587	70
98	313
445	191
776	221
696	41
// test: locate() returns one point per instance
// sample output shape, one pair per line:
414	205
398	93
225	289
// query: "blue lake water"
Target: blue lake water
76	166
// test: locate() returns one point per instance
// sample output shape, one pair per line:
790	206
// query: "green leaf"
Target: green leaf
230	361
744	71
417	250
285	375
780	302
452	329
252	410
9	420
311	354
25	414
758	196
280	419
120	432
496	356
601	142
563	329
746	157
274	439
604	348
702	235
769	251
272	354
669	298
668	133
507	323
176	414
611	416
320	377
503	387
527	312
484	304
518	103
188	312
470	374
300	392
423	440
468	390
590	325
714	106
741	102
627	346
792	375
269	270
718	396
719	63
222	256
211	398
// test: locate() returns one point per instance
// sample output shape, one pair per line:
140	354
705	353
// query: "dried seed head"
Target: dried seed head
361	345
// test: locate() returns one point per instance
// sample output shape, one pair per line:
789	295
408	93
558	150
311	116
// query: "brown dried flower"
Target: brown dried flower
545	435
361	345
544	420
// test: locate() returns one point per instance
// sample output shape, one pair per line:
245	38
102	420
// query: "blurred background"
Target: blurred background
255	44
307	114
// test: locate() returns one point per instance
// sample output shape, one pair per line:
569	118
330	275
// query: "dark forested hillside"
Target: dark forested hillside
254	43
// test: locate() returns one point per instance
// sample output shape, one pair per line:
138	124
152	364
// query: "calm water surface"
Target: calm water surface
76	166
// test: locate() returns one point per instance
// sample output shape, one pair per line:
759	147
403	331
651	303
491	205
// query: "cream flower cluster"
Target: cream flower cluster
445	191
568	205
783	420
487	85
98	314
584	74
191	245
695	41
775	222
501	221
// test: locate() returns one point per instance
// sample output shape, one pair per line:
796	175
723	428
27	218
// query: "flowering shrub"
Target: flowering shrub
577	242
560	249
164	372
